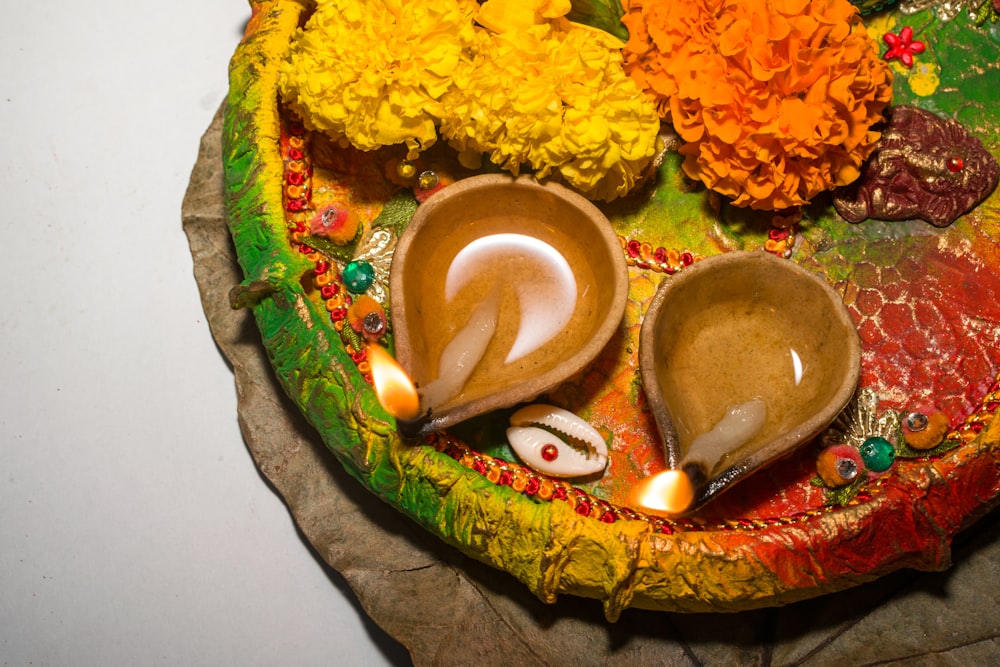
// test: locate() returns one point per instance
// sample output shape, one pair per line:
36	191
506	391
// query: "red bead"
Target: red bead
559	492
329	291
687	259
954	164
295	205
633	248
338	314
583	509
550	452
295	154
660	255
321	267
479	466
608	517
532	487
295	178
506	477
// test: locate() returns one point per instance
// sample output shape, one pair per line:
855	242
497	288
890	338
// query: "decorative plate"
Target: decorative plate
926	302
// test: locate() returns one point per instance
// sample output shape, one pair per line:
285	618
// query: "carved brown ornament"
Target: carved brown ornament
924	167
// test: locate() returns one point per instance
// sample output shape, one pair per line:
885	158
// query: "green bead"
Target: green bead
358	276
878	454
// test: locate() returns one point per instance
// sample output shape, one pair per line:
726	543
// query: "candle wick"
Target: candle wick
736	428
463	353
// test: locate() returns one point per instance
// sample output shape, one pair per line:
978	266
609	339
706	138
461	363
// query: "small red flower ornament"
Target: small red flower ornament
903	46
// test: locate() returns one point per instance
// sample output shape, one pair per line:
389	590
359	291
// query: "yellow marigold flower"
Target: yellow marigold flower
775	99
510	15
558	101
544	92
374	72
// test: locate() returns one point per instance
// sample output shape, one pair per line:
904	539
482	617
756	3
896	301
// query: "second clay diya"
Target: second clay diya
743	357
501	289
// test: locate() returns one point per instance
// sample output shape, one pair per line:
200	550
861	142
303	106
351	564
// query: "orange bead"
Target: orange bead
838	465
930	436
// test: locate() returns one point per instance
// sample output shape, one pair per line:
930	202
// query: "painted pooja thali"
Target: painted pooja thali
509	197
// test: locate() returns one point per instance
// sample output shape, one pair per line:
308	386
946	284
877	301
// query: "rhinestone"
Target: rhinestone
916	421
847	469
372	323
406	169
428	180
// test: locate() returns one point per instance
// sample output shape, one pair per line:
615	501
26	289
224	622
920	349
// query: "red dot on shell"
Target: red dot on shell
550	452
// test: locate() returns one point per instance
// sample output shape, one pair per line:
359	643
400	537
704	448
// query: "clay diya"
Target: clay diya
743	357
501	289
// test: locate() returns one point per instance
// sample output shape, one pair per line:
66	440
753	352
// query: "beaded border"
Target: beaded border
541	487
297	196
643	255
297	199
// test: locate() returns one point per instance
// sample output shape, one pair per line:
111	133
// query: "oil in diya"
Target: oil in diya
501	288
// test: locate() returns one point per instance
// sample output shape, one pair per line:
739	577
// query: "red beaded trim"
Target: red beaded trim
642	255
297	193
975	423
541	487
781	240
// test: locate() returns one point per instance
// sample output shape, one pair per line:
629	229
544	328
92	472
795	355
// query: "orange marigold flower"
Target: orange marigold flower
774	99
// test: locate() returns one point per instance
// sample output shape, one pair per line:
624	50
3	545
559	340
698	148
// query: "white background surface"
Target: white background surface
134	528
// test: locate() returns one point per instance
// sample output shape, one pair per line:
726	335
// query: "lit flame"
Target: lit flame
393	386
670	491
